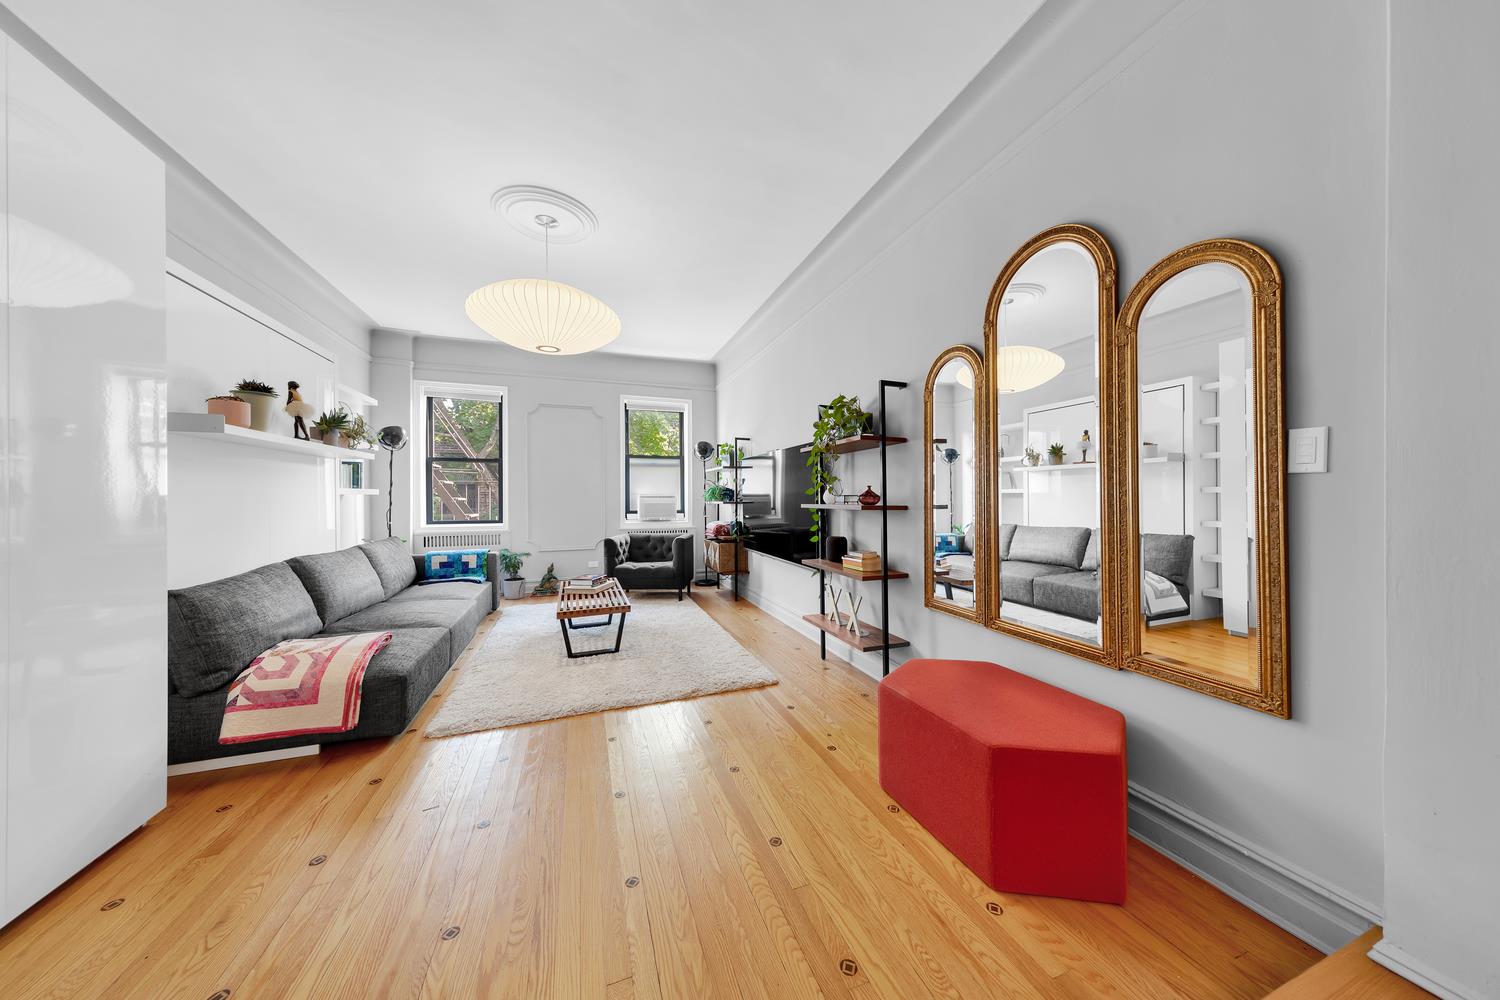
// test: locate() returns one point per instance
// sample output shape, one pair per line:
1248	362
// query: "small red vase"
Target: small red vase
869	498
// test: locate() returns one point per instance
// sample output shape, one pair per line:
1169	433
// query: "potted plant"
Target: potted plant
842	417
1055	453
511	581
1033	457
234	410
359	434
262	400
331	426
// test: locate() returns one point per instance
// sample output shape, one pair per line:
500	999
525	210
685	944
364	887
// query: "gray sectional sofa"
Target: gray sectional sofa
215	629
1057	569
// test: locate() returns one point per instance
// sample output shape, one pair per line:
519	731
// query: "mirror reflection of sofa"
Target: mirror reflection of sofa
1057	568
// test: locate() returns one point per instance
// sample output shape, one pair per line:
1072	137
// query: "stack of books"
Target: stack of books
862	562
586	584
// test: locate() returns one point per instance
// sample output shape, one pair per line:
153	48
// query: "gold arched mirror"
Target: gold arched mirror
1199	345
955	434
1050	569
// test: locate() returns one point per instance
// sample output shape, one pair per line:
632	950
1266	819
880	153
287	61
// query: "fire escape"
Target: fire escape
455	504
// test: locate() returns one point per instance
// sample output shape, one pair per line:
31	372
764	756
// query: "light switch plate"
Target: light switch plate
1307	449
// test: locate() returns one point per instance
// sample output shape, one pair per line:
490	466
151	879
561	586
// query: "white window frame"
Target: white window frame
656	403
422	391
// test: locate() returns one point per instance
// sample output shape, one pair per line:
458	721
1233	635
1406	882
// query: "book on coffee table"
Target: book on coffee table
587	584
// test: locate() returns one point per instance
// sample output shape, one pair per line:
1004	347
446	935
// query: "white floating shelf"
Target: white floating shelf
1213	558
1012	490
1211	386
1065	467
1213	489
1210	421
346	491
213	425
1212	592
352	396
1171	456
1213	524
1214	455
1007	459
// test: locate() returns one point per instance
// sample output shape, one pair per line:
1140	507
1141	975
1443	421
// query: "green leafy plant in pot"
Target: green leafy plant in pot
1055	453
840	418
262	399
512	583
332	426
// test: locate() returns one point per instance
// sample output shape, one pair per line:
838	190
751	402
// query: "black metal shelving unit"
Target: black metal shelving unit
736	506
880	639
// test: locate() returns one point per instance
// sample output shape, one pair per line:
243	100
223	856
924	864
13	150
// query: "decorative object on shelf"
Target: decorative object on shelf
1150	449
835	596
1004	444
851	624
547	585
392	439
869	498
1056	453
729	456
717	529
1085	445
840	418
359	434
234	410
713	493
539	315
261	397
705	451
330	426
1033	457
834	547
512	584
300	410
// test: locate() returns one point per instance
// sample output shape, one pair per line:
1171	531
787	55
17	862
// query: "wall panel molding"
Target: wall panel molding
566	511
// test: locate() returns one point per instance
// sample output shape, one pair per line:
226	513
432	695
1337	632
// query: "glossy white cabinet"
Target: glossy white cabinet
84	395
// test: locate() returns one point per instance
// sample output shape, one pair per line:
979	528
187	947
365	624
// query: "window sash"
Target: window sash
496	464
630	509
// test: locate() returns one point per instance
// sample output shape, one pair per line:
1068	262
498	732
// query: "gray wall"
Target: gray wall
1442	782
1161	124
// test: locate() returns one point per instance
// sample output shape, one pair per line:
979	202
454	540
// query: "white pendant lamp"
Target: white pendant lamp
1021	368
543	316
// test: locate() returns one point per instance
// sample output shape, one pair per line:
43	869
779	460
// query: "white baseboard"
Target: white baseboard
1323	915
866	663
241	760
1409	967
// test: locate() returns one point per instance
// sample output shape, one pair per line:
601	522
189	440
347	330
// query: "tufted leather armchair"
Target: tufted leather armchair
650	562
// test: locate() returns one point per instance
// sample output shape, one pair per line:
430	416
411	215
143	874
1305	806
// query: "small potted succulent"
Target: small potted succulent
234	410
512	583
1033	457
1055	453
332	426
262	400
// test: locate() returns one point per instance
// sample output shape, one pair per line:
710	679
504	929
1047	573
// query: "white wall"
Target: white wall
1161	123
564	437
1442	746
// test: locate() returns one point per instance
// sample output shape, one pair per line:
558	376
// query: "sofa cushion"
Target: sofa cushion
215	629
1073	594
460	618
1091	554
646	575
393	564
1053	546
455	564
650	548
340	583
395	686
1170	556
1016	579
444	590
1007	532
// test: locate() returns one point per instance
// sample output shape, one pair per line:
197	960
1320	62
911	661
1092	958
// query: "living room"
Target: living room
593	501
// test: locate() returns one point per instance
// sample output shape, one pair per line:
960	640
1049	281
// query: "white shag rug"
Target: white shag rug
522	674
1074	628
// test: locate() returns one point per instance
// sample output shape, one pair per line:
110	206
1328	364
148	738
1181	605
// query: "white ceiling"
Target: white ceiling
1068	310
717	142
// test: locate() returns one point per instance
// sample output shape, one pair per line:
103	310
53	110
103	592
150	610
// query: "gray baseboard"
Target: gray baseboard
1413	969
1318	913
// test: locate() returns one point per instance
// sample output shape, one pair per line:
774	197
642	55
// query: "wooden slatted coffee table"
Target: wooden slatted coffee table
609	601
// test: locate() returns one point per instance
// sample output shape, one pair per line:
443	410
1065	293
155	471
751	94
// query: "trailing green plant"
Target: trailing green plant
511	562
333	421
254	385
713	492
1057	451
729	455
359	431
841	418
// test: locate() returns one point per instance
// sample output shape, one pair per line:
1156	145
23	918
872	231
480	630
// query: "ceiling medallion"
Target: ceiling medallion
1023	293
520	204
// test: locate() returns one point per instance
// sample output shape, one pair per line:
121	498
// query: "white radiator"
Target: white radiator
427	541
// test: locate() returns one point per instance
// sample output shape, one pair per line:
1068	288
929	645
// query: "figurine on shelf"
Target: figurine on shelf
547	585
1085	445
869	498
299	410
853	623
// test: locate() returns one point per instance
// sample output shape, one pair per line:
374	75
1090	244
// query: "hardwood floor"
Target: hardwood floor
1350	974
1205	646
732	846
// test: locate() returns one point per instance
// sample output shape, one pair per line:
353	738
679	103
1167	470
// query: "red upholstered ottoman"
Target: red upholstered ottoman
1022	781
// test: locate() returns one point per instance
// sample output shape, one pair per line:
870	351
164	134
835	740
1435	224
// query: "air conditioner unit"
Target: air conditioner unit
656	507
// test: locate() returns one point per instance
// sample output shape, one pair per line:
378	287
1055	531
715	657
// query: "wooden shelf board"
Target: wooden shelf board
854	506
213	425
874	641
862	442
829	566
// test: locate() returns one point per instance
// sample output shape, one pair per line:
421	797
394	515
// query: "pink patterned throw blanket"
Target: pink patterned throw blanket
301	686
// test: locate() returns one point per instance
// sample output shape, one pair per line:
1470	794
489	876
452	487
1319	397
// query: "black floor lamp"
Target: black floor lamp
705	450
392	439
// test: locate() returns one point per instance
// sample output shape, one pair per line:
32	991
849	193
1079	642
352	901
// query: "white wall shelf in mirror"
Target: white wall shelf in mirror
351	396
212	424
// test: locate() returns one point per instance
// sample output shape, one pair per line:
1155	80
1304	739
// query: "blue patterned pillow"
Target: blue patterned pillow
464	564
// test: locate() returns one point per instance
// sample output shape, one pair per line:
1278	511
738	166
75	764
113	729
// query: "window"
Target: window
655	467
463	440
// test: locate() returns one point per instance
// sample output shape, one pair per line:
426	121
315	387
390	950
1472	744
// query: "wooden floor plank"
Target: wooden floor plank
712	848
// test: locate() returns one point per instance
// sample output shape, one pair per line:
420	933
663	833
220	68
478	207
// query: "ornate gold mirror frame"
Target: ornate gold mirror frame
982	532
1259	269
1107	652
